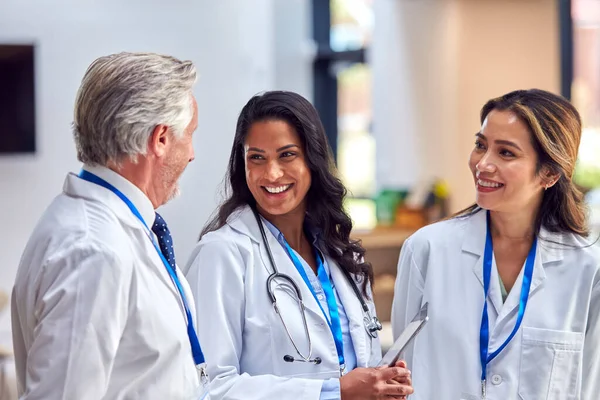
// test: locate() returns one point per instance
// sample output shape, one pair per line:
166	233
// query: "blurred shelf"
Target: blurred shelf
382	237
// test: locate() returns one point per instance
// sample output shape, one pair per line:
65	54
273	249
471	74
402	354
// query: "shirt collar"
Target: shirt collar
314	233
132	192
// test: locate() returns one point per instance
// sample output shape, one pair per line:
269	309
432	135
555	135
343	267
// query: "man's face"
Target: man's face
180	153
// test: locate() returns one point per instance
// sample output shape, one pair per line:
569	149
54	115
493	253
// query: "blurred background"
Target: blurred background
398	84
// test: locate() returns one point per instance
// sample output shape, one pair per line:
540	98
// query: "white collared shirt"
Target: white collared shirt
95	314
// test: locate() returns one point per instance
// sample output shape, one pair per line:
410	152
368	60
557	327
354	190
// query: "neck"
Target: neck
513	226
140	174
291	225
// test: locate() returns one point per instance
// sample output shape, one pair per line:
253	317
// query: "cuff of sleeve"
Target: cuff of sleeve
330	389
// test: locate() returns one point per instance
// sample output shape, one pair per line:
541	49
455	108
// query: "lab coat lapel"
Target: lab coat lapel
548	252
473	249
245	222
353	309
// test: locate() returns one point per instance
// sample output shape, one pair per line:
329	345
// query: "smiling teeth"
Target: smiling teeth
488	184
277	189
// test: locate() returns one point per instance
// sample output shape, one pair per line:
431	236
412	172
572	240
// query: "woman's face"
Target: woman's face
503	164
276	170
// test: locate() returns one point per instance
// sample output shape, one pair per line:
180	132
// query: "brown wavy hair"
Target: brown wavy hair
555	127
325	198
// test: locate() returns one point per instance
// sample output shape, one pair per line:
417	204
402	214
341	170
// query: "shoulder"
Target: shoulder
583	250
76	226
222	246
442	233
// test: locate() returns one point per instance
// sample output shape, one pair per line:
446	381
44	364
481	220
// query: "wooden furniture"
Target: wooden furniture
383	249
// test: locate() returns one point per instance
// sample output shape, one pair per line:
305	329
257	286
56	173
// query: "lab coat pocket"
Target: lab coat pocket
550	364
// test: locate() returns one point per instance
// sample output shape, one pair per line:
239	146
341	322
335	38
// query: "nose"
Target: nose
273	171
486	164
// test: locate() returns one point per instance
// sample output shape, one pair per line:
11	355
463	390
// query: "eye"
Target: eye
255	157
506	153
479	145
287	154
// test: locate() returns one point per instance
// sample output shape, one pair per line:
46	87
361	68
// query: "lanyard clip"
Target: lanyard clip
483	389
342	369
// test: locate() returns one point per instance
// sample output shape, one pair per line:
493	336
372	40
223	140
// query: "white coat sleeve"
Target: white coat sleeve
591	349
216	276
408	291
81	311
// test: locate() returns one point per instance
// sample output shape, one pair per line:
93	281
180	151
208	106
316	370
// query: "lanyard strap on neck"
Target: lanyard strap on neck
484	333
334	317
194	342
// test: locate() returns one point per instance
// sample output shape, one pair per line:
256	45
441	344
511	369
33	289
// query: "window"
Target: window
583	64
342	30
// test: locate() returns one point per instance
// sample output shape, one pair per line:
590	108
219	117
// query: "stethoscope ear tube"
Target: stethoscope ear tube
372	323
287	279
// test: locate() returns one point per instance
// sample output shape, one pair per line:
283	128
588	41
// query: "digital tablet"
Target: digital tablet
409	333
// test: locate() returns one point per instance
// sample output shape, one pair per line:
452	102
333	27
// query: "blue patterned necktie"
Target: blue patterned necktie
165	241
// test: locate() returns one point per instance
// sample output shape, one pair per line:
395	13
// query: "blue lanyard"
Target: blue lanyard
484	334
194	342
335	325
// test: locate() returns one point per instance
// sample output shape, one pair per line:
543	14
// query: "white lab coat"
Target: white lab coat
95	314
554	355
244	338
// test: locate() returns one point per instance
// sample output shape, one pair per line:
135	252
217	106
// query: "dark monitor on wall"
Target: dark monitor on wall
17	99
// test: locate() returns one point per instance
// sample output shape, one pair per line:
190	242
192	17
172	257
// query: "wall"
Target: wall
232	43
435	63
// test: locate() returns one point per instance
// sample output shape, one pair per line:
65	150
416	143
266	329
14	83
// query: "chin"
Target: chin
485	204
276	210
173	193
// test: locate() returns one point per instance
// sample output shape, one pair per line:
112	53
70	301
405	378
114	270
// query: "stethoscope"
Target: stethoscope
371	323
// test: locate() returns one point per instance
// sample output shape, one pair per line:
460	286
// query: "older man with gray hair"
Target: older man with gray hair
99	308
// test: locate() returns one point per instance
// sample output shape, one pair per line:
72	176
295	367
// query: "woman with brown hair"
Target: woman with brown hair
513	281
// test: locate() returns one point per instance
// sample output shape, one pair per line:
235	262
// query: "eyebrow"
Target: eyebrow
504	142
288	146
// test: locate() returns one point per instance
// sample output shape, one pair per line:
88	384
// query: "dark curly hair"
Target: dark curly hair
325	198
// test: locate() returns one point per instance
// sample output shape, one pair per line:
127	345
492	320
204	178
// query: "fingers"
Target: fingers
401	364
395	390
394	372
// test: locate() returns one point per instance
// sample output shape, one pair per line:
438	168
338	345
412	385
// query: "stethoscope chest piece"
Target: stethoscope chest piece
372	326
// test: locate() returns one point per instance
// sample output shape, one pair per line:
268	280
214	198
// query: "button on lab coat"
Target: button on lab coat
246	341
95	313
554	355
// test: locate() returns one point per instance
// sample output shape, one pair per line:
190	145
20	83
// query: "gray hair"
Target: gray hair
123	97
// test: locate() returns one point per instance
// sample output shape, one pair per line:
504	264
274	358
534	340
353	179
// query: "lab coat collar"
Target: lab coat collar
548	251
474	242
244	222
78	187
354	312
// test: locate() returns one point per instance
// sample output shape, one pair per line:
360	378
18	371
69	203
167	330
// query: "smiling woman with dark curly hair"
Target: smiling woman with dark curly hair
293	316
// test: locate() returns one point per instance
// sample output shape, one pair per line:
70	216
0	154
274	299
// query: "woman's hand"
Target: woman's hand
403	380
377	383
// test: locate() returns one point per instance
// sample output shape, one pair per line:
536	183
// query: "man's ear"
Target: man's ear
159	140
